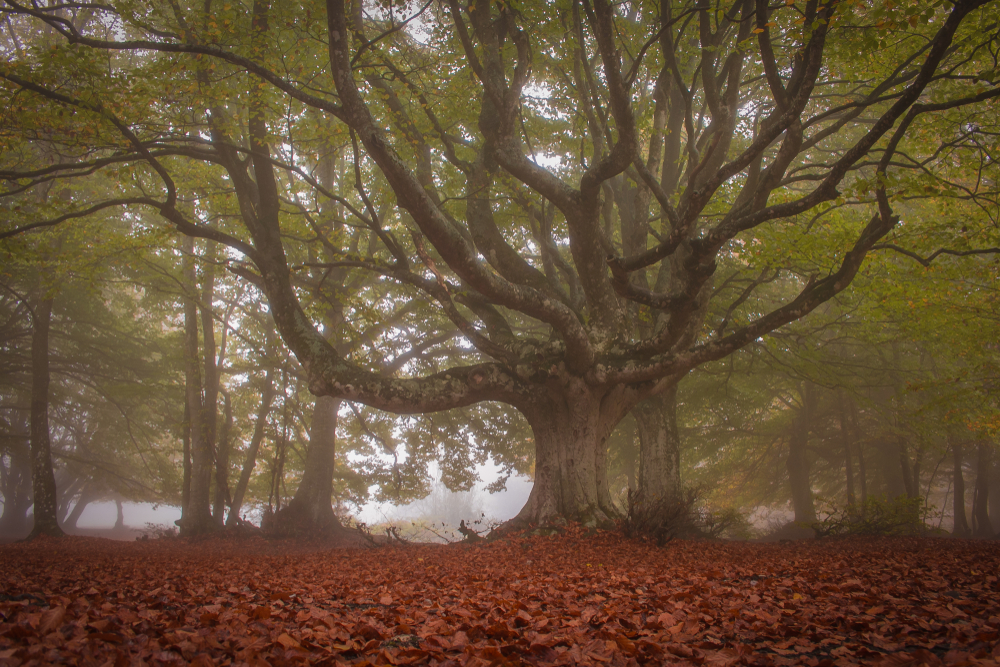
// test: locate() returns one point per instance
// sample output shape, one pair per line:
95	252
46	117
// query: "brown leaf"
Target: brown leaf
51	619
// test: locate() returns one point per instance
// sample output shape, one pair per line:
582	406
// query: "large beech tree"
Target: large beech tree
560	180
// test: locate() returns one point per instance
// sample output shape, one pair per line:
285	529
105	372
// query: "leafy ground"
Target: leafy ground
568	599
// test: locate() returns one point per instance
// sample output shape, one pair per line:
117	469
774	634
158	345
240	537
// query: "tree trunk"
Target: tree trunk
571	423
16	487
980	506
196	516
267	397
222	462
87	496
120	517
961	528
907	469
889	465
797	463
312	507
994	501
659	446
845	439
210	406
43	480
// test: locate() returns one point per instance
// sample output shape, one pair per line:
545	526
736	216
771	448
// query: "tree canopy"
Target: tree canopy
561	207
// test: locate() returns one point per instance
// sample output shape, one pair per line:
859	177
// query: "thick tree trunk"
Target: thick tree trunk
267	397
43	480
961	528
797	462
980	506
659	446
196	516
312	507
571	423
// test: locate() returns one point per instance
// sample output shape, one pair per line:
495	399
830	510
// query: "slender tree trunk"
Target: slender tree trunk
907	469
222	461
43	478
994	501
186	454
120	517
210	407
659	446
571	424
980	507
87	496
888	459
961	523
845	439
66	494
196	516
797	463
267	397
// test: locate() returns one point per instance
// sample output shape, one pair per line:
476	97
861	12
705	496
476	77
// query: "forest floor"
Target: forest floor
571	599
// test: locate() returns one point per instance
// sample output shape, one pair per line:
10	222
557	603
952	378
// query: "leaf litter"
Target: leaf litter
571	599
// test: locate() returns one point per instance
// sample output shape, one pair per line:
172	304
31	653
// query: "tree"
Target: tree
676	135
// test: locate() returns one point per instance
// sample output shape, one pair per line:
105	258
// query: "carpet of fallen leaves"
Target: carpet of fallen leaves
563	600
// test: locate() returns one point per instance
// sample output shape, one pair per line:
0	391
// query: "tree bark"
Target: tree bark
659	446
980	505
312	507
797	463
994	501
87	496
210	406
196	516
16	486
222	448
120	515
267	397
961	528
571	423
845	438
43	480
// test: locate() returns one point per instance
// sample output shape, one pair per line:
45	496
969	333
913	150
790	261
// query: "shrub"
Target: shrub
663	519
877	515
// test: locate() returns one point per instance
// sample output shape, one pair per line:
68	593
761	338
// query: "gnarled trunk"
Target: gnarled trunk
659	445
571	422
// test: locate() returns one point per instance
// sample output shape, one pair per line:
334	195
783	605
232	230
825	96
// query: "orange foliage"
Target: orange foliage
567	600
